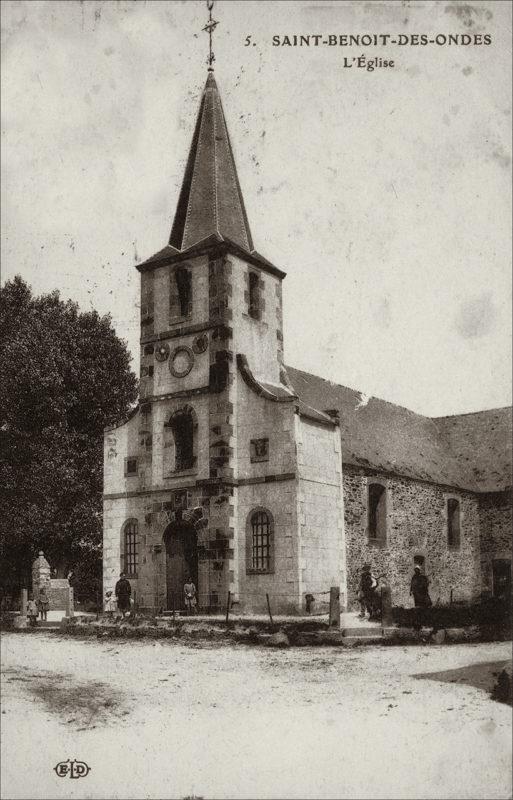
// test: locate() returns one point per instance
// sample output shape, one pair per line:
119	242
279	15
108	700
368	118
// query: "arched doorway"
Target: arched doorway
180	540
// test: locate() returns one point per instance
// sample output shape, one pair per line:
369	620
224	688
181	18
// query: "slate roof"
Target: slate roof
468	451
210	200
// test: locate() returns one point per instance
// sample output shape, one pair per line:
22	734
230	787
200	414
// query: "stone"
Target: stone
278	639
438	637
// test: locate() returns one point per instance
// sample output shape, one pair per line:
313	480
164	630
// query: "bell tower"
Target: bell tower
201	482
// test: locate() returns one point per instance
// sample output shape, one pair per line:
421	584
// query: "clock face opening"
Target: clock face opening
181	362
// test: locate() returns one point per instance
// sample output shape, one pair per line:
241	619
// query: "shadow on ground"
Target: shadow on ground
481	676
85	704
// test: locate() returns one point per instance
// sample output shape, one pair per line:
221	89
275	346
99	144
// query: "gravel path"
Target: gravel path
162	720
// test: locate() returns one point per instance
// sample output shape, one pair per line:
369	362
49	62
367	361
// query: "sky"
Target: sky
385	195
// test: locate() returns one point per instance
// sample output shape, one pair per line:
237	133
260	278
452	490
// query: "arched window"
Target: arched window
453	522
377	513
130	547
180	441
260	535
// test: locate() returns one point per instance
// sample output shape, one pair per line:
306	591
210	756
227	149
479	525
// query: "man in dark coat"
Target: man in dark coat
419	588
123	590
368	597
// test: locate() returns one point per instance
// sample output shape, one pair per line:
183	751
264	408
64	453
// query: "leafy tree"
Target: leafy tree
64	376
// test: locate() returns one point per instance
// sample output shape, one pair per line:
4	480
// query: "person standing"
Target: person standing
189	591
123	590
43	603
368	584
419	588
32	611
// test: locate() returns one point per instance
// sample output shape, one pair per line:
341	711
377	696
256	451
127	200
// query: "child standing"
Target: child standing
43	603
32	611
110	603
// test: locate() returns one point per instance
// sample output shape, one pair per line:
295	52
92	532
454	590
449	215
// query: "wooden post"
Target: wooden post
451	599
23	609
173	603
228	606
334	619
269	609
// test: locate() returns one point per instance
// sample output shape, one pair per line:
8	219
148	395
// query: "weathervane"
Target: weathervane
209	28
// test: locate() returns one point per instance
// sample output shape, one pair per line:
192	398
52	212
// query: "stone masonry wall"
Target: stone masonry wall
416	525
495	514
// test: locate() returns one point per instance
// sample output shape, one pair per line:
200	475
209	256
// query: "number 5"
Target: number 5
248	41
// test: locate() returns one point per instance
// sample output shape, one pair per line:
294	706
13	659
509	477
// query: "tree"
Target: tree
64	377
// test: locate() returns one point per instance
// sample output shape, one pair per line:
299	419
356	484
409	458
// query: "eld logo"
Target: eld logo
72	769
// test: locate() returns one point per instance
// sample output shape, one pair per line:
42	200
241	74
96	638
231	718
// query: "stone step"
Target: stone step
364	639
363	632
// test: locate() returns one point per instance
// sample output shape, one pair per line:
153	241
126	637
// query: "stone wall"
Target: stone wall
495	514
416	526
321	522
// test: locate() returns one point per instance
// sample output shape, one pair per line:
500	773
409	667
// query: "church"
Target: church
257	480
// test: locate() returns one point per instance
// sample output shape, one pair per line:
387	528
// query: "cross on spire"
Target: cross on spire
209	28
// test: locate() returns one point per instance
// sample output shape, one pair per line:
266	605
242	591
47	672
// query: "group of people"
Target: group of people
121	599
369	595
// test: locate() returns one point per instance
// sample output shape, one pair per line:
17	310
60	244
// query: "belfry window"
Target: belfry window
260	542
254	306
130	547
377	513
453	522
184	287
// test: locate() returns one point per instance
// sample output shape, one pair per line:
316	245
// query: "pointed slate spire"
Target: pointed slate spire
210	201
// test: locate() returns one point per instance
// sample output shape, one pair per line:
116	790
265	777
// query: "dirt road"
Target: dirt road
162	720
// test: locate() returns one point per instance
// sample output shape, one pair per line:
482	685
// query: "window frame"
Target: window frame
130	473
381	537
251	532
453	542
130	542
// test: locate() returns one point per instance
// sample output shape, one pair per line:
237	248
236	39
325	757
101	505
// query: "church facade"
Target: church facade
263	483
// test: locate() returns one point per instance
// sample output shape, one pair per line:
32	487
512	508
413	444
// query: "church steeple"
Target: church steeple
210	202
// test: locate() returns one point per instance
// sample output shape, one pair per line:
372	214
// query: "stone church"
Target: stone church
255	479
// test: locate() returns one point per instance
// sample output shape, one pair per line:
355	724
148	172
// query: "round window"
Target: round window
181	362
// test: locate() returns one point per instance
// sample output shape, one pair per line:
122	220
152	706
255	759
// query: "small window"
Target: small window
260	542
453	522
259	449
184	286
377	512
130	547
130	467
254	308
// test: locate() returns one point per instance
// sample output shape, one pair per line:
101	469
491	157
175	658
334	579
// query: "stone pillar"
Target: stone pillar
40	574
386	606
70	604
334	607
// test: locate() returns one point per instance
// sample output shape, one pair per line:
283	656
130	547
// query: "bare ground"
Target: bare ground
166	720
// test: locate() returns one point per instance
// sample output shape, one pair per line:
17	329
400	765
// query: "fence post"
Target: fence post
23	609
269	609
334	618
228	606
450	602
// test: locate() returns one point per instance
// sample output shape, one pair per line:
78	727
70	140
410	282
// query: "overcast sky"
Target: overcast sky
384	195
